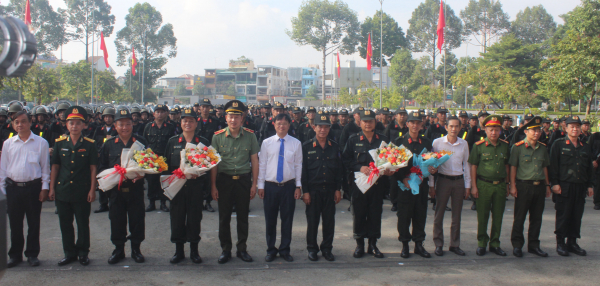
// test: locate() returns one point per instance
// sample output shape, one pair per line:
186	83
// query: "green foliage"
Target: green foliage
311	91
423	73
40	85
345	98
180	90
198	89
76	79
484	18
427	94
231	90
79	15
402	68
392	34
534	26
450	63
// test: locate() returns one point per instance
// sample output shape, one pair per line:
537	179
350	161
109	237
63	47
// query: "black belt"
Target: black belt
490	181
532	182
10	182
235	177
281	184
451	178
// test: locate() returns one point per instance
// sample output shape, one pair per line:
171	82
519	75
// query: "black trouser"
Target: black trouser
233	192
279	199
394	189
103	197
569	210
366	211
413	209
186	212
81	212
597	191
530	199
322	203
21	203
155	192
126	205
205	186
346	185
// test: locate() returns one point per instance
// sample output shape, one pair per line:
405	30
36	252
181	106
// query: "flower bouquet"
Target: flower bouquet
195	160
386	157
420	168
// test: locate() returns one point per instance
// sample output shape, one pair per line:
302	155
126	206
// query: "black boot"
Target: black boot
561	247
572	246
360	248
179	254
420	250
102	208
194	255
405	253
163	206
136	253
117	255
151	206
372	249
395	207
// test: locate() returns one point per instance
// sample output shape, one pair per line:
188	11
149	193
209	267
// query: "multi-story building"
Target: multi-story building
301	79
353	78
271	81
168	84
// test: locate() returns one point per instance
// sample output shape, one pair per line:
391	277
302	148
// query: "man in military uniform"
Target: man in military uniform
221	116
307	127
397	128
206	128
174	118
8	131
157	134
477	133
438	129
322	173
473	121
101	135
594	143
572	178
412	209
506	128
145	116
463	116
352	127
585	131
559	132
333	116
545	130
266	114
298	118
384	119
138	124
233	181
268	128
530	186
73	185
42	128
59	128
126	200
338	125
186	206
519	134
366	207
489	169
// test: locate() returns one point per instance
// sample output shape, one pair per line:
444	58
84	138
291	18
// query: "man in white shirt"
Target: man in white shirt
25	179
279	184
453	181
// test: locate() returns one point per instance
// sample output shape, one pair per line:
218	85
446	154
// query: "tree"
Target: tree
107	88
533	26
40	85
198	89
47	25
393	37
423	73
484	20
325	26
450	64
180	90
75	79
312	91
88	17
231	90
345	98
427	94
422	32
143	31
402	69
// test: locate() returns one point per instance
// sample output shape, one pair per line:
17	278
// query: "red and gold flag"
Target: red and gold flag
133	62
369	53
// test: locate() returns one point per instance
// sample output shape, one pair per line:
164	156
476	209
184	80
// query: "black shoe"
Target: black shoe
405	253
439	251
179	254
102	208
572	246
457	251
433	207
194	255
473	207
243	255
286	257
328	255
117	255
67	260
209	208
270	257
225	256
597	207
55	210
137	255
151	206
517	252
360	248
498	251
312	256
84	260
163	206
561	247
420	250
537	251
349	207
33	261
372	249
13	262
480	251
394	208
448	209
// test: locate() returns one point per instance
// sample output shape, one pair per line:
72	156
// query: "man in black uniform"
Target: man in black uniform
396	128
297	118
206	128
42	128
268	128
145	116
438	129
221	115
126	201
559	132
138	124
519	134
384	119
477	133
157	134
174	118
572	178
463	116
545	130
473	121
352	127
266	114
307	127
585	131
101	135
506	128
59	128
336	127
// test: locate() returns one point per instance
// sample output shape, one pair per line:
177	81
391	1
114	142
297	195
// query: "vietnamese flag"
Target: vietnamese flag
27	14
103	48
133	62
369	53
440	27
338	63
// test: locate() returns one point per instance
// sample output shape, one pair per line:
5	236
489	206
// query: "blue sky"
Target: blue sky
210	32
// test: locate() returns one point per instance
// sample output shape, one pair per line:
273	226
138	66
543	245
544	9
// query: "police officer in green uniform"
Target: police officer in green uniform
73	186
233	181
489	167
367	207
529	184
572	178
305	129
186	206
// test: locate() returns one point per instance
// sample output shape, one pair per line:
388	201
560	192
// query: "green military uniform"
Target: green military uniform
531	187
72	185
491	164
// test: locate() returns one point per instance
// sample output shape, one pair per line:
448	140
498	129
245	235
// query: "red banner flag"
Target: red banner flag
338	63
27	14
103	48
133	62
369	53
440	27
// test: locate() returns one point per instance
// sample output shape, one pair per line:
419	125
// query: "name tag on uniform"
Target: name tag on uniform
125	190
81	150
566	149
485	154
177	147
63	149
312	152
359	144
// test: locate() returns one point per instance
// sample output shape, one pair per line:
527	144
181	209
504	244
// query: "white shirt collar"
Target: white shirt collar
16	136
445	138
286	138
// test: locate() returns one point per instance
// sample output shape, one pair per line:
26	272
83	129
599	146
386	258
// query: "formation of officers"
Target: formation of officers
284	154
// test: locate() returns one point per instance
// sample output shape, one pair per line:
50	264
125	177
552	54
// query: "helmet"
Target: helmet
90	111
40	110
3	112
122	112
135	109
62	106
109	111
15	107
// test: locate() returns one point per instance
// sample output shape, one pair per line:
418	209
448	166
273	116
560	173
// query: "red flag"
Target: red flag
440	27
369	53
133	62
27	14
338	64
103	48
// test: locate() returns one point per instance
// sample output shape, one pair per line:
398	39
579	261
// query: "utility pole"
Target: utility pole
381	56
144	68
444	99
467	71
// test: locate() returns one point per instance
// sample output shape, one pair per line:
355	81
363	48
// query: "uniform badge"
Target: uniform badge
234	104
123	112
81	150
323	117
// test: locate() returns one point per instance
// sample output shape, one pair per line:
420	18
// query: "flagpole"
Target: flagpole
92	67
144	68
444	99
381	56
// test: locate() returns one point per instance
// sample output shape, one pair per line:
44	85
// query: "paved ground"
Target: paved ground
392	270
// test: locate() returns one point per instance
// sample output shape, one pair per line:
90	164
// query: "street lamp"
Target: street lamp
381	54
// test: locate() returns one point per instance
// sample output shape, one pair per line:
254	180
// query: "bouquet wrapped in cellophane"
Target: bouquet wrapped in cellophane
386	157
135	162
420	168
196	160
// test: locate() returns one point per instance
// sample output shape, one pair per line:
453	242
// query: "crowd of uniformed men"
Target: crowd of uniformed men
491	160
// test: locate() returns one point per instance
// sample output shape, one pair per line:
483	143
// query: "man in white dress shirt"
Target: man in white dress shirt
25	179
279	185
453	181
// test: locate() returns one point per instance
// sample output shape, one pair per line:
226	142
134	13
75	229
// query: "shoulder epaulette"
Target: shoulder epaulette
542	143
89	140
504	141
480	142
220	131
60	139
247	129
520	143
